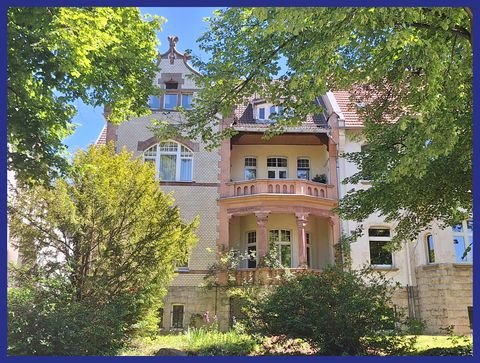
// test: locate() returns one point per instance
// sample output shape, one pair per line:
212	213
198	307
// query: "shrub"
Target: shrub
337	312
461	350
415	326
40	324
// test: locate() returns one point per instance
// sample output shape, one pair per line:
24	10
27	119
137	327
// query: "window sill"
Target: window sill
466	265
365	182
384	268
182	269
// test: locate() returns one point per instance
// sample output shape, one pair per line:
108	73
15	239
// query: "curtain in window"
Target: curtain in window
167	167
186	170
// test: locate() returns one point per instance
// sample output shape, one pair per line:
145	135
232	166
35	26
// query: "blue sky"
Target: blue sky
186	23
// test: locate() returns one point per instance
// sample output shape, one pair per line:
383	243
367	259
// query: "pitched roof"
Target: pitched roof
348	108
102	137
244	118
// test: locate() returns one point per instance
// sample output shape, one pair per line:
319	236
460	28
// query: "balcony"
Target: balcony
262	276
279	186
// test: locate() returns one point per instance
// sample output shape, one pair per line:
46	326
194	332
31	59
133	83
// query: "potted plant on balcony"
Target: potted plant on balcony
320	178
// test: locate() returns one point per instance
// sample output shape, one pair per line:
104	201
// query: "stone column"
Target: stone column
302	239
262	238
334	223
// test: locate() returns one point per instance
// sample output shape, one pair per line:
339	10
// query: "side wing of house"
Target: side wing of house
435	276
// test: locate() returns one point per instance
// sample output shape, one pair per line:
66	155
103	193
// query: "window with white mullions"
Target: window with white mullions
250	168
303	168
282	238
173	161
252	249
277	168
463	241
379	239
309	250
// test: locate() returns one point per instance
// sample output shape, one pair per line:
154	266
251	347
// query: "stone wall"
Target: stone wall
444	291
197	300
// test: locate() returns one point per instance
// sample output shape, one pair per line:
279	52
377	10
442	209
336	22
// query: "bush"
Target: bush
40	324
337	312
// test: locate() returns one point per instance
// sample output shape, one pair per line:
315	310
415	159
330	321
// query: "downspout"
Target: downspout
409	279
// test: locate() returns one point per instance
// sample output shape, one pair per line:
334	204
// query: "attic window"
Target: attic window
171	85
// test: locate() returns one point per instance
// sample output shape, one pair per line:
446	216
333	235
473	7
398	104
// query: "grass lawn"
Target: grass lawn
425	342
230	343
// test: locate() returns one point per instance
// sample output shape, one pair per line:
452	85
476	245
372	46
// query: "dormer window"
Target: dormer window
266	112
261	113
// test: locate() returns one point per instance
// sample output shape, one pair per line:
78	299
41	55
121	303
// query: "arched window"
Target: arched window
173	161
430	248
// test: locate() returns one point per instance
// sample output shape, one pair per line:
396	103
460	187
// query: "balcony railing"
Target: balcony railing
279	186
267	276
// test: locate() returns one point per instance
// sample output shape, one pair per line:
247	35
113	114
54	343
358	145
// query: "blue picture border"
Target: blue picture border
212	3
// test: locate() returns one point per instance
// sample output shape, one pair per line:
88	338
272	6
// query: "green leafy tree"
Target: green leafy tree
337	312
101	55
107	238
412	67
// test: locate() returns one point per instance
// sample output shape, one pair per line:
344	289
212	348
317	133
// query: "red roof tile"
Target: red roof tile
348	108
102	138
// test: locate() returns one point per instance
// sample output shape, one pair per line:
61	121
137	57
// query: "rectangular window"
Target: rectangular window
378	241
283	241
250	168
261	113
365	176
463	241
309	250
167	169
277	168
186	169
252	249
154	102
187	102
170	101
303	169
470	316
177	316
430	249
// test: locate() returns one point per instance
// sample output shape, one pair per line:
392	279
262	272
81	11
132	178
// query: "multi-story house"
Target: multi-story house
251	193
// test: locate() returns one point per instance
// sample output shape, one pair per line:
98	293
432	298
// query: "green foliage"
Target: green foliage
45	324
412	67
415	326
105	234
101	55
336	312
210	342
460	350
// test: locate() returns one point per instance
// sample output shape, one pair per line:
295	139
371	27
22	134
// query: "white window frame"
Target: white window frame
178	159
183	317
277	169
252	244
466	234
165	99
282	243
427	248
308	251
245	167
379	239
181	100
302	168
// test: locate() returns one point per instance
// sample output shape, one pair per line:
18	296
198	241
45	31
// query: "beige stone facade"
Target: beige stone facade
251	189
